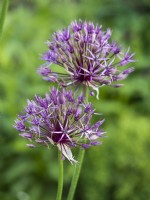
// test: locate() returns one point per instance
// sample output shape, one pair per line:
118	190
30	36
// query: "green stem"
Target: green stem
3	14
60	180
78	166
76	174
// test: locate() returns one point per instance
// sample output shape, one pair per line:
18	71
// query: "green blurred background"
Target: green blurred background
120	168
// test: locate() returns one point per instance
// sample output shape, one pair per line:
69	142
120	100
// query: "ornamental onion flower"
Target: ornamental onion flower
59	119
88	56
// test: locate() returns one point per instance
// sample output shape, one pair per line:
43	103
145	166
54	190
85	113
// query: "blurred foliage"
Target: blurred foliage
117	170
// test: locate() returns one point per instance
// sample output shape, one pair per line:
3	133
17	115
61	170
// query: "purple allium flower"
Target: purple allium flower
87	55
59	119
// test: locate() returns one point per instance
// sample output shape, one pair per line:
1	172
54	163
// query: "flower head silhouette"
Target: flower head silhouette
59	119
87	55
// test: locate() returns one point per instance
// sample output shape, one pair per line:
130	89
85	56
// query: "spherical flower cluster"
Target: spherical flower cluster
88	57
59	119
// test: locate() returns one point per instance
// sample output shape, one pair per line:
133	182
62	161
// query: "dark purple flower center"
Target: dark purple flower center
57	138
83	78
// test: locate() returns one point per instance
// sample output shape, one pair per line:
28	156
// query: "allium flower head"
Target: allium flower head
59	119
88	56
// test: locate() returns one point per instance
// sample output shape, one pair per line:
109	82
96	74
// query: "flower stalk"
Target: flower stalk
3	14
60	179
76	174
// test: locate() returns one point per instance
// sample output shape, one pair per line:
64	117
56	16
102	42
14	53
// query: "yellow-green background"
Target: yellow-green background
120	168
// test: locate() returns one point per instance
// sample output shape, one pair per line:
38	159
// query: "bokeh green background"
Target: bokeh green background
120	168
